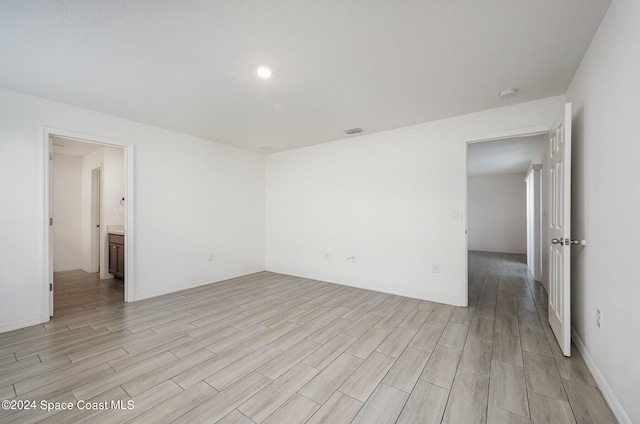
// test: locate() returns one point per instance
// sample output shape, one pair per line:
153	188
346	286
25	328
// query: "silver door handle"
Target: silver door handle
567	242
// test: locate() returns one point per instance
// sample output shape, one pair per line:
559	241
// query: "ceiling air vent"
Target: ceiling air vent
352	131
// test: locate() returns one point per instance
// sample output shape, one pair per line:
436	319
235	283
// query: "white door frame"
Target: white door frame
129	287
501	135
96	219
534	221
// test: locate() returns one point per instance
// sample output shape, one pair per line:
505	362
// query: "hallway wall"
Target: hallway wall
497	213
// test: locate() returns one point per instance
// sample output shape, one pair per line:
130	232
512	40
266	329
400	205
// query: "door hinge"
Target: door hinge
50	221
50	155
50	286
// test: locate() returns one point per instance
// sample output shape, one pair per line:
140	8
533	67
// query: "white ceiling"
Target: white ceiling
508	156
189	65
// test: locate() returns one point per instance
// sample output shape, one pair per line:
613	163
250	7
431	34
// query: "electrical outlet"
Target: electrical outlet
599	318
435	268
327	256
454	214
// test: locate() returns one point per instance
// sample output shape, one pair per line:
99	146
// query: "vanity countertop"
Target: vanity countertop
115	229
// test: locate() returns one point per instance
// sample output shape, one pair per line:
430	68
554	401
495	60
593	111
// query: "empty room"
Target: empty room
311	212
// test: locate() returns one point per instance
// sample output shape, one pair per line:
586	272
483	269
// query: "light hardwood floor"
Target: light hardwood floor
279	349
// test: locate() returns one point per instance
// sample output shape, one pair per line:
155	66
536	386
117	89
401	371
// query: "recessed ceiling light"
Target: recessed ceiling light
510	92
263	72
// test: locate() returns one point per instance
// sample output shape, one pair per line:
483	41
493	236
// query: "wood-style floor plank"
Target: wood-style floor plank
426	404
384	406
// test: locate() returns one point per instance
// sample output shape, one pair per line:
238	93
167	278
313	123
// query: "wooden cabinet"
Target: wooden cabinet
116	255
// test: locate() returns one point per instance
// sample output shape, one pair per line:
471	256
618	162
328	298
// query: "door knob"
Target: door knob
567	242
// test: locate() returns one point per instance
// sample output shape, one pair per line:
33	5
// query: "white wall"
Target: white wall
386	198
192	197
497	213
66	212
605	94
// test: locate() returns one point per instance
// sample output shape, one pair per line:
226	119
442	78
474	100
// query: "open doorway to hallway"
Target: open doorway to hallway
87	203
501	216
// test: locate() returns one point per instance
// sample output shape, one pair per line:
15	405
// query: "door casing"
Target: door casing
522	132
46	299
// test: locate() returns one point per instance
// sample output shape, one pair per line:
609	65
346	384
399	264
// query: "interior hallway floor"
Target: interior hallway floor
280	349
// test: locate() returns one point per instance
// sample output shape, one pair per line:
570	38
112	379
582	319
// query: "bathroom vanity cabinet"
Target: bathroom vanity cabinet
116	255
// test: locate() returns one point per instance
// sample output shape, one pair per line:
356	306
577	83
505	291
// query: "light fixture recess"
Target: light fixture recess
263	72
508	93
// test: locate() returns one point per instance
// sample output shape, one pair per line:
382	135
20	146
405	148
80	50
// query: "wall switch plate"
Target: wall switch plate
454	214
435	268
210	257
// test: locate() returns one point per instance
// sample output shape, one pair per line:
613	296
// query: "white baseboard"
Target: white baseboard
602	383
374	287
15	325
86	269
193	284
66	268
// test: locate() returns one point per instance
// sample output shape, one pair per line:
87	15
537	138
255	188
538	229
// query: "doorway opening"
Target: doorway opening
500	216
555	158
88	179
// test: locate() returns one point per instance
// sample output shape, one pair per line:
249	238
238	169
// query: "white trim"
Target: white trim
129	287
45	219
89	271
532	167
500	135
66	268
602	383
94	257
465	227
129	240
198	283
16	325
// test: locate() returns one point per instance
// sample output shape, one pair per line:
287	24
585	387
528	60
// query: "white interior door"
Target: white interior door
560	230
50	270
95	221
